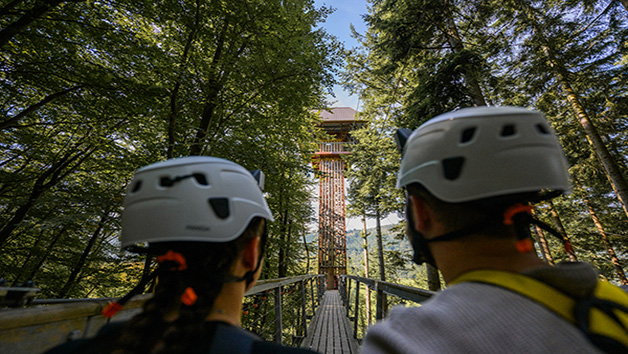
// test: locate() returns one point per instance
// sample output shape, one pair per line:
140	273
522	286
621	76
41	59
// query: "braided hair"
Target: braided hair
172	321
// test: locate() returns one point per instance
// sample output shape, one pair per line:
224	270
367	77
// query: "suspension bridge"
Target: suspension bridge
295	311
328	312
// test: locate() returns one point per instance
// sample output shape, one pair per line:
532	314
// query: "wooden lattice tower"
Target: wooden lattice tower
332	235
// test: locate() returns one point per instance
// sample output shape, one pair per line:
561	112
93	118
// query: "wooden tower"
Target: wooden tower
332	244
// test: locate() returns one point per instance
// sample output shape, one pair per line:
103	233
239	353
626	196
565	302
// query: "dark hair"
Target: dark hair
488	210
151	331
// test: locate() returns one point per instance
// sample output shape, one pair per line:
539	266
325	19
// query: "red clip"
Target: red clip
525	246
514	210
189	297
111	309
175	257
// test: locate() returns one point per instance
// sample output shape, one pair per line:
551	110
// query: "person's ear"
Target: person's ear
250	255
421	214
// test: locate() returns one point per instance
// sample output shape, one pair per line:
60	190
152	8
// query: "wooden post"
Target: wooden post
367	292
356	312
303	309
312	281
379	307
348	295
321	288
278	317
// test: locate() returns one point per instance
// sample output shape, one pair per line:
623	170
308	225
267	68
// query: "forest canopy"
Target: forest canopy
92	90
567	59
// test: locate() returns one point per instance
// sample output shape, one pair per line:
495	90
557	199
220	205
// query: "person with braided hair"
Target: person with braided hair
471	177
204	221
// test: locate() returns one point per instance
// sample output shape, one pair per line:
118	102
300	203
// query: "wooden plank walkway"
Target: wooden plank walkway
330	331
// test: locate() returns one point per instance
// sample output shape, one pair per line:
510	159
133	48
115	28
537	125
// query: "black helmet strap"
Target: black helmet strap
517	215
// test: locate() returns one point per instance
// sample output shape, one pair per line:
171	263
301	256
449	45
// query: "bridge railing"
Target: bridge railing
353	290
276	309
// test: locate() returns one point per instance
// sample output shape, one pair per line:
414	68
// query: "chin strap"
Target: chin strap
248	276
422	253
518	215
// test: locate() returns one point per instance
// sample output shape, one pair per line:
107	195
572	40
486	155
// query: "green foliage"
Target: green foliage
372	176
90	91
420	58
397	256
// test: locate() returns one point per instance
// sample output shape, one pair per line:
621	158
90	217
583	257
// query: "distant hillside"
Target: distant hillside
355	242
391	242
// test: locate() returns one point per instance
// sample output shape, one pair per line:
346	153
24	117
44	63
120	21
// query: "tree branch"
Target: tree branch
40	8
13	122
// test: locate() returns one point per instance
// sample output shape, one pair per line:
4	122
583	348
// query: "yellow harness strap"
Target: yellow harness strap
599	322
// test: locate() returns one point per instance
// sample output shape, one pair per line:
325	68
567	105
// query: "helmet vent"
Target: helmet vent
467	135
166	182
169	182
542	129
508	130
201	179
452	167
220	206
136	187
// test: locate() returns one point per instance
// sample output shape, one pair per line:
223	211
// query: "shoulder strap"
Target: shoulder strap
604	315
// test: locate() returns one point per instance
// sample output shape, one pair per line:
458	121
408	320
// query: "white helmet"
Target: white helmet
191	199
482	152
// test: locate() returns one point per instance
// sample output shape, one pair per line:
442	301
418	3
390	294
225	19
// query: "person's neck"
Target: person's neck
228	305
473	252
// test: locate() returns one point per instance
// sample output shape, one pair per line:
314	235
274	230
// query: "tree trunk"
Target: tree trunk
43	183
611	168
380	255
287	249
174	94
380	245
455	41
24	266
148	261
433	278
284	236
561	230
74	275
307	255
598	225
56	237
211	100
367	294
13	122
172	120
40	8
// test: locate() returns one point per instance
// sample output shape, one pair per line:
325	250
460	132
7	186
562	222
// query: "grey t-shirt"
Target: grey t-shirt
480	318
